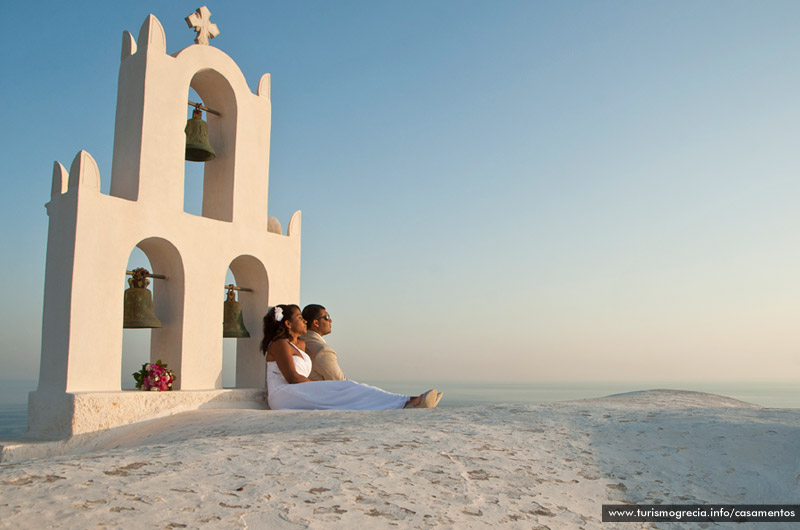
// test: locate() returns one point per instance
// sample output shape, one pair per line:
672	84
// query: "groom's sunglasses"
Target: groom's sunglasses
325	317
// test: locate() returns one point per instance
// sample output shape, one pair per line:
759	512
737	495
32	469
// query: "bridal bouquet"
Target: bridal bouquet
154	376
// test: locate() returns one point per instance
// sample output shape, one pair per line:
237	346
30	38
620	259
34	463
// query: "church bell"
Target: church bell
139	303
198	148
233	324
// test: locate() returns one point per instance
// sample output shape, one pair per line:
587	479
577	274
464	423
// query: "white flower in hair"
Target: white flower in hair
278	314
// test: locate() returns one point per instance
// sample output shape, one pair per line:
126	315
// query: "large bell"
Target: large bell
198	148
139	303
233	324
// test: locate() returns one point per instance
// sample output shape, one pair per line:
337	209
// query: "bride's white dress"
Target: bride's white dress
315	395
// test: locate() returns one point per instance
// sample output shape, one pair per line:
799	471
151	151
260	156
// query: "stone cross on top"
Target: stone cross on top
202	25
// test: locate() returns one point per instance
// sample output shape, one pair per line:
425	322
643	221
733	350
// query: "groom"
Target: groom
324	364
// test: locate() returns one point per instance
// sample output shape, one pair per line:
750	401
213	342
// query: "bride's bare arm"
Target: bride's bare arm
281	352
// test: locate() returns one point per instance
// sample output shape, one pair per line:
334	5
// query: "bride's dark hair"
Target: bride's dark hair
274	330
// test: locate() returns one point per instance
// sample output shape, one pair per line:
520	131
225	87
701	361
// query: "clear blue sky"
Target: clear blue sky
515	190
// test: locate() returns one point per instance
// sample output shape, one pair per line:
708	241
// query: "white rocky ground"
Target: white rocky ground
517	466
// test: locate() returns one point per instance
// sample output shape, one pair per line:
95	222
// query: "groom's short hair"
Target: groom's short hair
312	312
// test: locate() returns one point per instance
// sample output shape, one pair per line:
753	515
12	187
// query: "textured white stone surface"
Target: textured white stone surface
523	466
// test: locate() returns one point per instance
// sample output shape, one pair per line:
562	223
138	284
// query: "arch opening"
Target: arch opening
145	345
212	181
229	344
243	363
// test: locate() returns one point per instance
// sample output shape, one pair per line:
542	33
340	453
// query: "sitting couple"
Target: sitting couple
289	367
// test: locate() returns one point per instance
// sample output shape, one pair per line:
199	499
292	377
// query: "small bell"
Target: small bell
139	303
198	148
233	324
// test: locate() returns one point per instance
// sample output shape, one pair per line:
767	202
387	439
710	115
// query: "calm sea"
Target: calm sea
14	394
14	407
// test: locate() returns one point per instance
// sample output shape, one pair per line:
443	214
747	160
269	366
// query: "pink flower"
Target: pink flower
155	377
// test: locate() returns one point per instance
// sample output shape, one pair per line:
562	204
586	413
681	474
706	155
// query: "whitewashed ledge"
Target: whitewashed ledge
62	423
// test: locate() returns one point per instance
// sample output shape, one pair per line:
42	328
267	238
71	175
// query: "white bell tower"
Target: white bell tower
91	236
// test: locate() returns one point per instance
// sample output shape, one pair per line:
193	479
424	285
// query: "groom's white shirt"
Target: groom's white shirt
324	361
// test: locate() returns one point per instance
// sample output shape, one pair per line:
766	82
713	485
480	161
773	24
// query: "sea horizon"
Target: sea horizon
769	394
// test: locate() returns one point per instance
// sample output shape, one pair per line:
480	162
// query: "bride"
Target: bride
288	366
